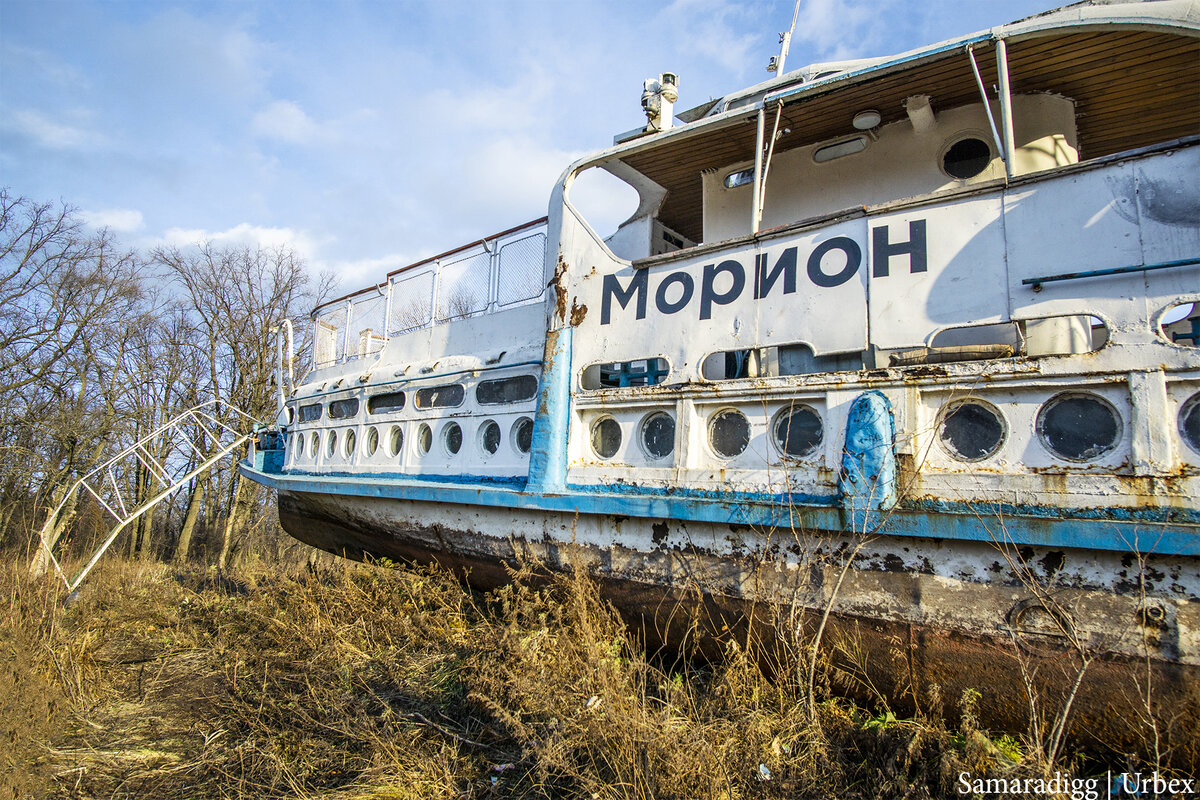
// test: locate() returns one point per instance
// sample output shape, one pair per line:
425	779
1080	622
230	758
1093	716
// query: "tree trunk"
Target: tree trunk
232	522
183	549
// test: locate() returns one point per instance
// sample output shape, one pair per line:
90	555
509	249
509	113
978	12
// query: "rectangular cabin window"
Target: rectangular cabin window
762	362
383	403
446	396
310	413
343	409
640	372
506	390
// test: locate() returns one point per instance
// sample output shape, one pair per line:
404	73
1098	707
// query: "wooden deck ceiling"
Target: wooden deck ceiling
1131	88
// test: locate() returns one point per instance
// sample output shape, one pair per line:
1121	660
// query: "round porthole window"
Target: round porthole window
966	158
372	440
1078	426
658	435
452	438
331	446
522	435
971	430
314	444
351	441
424	439
395	440
729	433
489	437
606	437
1189	422
797	431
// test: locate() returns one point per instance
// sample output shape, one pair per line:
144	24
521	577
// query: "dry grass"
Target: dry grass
385	682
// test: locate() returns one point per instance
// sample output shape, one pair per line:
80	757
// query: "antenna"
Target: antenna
785	40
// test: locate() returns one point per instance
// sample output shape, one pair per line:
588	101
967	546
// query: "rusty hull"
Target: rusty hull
902	621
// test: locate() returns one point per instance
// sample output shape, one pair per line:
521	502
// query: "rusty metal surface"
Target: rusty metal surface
899	621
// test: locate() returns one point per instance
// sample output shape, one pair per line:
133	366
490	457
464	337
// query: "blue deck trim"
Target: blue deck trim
983	523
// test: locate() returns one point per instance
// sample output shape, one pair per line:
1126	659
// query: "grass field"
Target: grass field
380	681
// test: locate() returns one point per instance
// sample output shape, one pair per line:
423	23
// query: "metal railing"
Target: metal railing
502	271
117	497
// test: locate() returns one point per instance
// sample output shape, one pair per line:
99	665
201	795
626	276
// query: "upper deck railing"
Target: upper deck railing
498	272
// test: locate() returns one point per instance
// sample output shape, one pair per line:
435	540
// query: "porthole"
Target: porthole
489	437
1078	426
966	158
424	439
606	437
797	431
1189	422
351	441
395	440
314	444
522	435
971	430
372	440
658	435
331	446
729	433
452	438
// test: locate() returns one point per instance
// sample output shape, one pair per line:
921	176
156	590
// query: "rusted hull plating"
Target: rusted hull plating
910	615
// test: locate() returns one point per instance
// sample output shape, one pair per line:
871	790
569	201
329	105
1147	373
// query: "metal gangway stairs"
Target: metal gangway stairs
202	424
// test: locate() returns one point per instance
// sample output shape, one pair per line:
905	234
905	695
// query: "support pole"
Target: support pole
1006	116
756	208
987	107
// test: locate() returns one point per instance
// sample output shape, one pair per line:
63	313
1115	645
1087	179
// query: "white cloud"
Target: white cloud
507	173
708	27
120	220
286	121
243	235
50	133
841	29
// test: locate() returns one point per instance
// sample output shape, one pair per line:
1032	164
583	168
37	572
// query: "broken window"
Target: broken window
729	433
343	409
606	437
639	372
382	403
506	390
446	396
658	435
971	430
797	431
1079	426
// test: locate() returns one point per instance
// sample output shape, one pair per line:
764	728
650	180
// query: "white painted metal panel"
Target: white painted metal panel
958	278
1168	195
1075	223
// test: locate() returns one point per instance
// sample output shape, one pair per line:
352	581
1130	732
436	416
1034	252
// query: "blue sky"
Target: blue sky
369	134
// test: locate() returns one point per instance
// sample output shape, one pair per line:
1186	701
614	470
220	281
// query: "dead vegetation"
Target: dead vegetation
378	681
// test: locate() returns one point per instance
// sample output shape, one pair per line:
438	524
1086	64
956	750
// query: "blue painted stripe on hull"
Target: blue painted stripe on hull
985	524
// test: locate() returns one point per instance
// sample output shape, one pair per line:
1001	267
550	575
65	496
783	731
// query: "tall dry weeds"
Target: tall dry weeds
385	682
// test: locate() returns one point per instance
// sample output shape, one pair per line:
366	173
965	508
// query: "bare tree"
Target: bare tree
64	295
235	298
